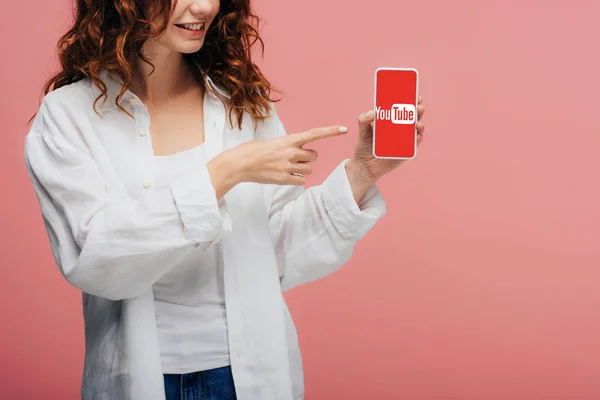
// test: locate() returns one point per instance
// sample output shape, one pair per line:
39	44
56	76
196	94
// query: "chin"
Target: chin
189	48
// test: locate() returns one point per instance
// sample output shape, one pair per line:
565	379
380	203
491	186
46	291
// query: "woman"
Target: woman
174	200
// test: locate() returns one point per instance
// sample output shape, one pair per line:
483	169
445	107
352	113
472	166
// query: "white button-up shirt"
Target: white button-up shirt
114	234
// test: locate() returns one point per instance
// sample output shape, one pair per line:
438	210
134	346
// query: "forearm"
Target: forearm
359	178
224	174
315	230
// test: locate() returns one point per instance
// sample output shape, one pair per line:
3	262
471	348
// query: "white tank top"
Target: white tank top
190	298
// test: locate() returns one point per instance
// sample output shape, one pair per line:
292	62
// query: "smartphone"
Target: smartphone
395	124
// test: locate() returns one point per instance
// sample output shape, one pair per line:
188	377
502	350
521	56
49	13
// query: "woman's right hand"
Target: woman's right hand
281	160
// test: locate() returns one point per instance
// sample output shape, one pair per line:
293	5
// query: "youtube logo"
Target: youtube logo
400	114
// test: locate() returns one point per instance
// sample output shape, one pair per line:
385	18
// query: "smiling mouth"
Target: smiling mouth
191	27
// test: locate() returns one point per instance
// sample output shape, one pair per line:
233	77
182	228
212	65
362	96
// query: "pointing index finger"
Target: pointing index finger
312	135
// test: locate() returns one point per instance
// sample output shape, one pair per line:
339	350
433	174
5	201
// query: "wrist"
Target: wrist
224	173
360	172
359	177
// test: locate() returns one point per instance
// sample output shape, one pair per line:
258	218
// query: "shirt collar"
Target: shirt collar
113	88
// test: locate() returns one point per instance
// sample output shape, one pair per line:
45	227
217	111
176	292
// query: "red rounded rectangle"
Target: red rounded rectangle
396	98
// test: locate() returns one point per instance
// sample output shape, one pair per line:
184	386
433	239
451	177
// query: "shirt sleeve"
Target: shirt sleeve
104	242
316	230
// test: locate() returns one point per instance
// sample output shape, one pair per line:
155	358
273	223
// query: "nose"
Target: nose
201	7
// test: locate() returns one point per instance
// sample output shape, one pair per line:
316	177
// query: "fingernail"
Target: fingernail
343	129
368	114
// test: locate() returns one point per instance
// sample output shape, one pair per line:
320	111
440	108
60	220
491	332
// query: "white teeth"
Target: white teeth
193	27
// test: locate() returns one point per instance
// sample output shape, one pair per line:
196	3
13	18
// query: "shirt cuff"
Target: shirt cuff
203	218
351	220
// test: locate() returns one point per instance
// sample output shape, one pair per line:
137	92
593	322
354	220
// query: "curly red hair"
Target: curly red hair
108	34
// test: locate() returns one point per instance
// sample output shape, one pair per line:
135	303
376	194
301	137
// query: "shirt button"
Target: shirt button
143	133
134	102
146	184
197	245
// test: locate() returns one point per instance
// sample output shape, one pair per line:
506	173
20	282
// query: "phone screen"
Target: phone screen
394	128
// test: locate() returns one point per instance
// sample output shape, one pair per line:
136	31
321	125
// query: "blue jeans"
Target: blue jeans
213	384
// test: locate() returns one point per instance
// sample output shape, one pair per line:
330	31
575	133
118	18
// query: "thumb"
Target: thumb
365	126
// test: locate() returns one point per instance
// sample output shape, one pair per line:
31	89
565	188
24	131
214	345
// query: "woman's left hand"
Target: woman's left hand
363	157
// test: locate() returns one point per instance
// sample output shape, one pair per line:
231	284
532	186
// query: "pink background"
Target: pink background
483	280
